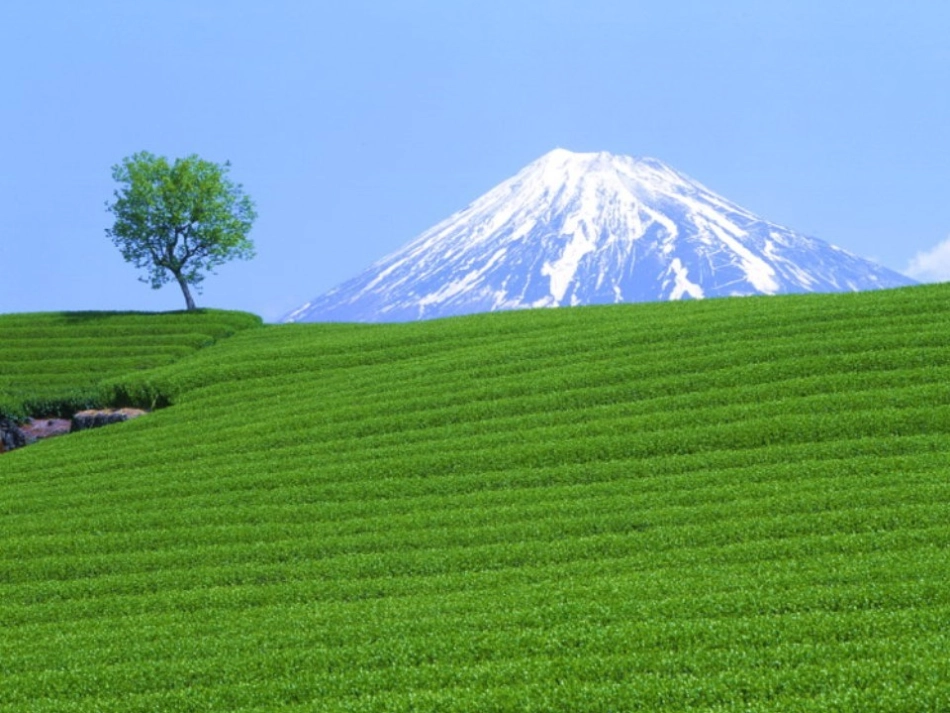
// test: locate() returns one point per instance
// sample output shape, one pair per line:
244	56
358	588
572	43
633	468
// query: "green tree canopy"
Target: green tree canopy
179	221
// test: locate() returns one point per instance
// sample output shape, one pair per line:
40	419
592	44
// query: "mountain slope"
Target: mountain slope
592	228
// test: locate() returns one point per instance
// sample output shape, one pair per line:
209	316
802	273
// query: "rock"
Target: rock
94	418
37	428
11	436
16	436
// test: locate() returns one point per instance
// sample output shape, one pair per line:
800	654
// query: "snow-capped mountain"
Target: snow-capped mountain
592	228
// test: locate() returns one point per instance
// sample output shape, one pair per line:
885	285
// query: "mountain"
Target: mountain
592	228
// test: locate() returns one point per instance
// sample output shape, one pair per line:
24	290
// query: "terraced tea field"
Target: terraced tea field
51	363
710	506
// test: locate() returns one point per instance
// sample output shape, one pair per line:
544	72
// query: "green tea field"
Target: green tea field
722	505
53	362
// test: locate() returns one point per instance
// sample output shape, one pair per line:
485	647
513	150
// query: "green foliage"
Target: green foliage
178	221
708	506
55	364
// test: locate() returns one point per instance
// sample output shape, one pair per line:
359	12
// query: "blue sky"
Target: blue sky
357	125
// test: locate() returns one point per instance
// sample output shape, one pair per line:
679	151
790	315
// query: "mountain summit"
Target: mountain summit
592	228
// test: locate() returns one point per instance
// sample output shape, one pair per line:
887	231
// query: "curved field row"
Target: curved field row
52	363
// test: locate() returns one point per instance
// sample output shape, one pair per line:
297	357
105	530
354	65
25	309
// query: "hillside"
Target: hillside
53	362
707	506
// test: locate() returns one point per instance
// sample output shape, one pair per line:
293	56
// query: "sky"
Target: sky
355	126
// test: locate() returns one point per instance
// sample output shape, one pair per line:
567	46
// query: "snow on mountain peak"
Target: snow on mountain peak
587	228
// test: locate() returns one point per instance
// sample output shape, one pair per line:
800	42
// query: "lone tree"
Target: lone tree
179	220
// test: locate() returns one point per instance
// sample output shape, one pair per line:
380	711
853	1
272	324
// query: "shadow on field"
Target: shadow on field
89	317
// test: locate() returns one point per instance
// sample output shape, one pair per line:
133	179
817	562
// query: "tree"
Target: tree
179	220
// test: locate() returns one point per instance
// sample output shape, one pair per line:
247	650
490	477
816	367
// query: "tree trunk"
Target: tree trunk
189	300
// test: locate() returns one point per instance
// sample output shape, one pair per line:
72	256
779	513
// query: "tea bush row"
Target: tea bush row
53	362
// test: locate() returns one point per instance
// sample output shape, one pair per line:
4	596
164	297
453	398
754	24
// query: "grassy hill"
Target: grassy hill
53	362
707	506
